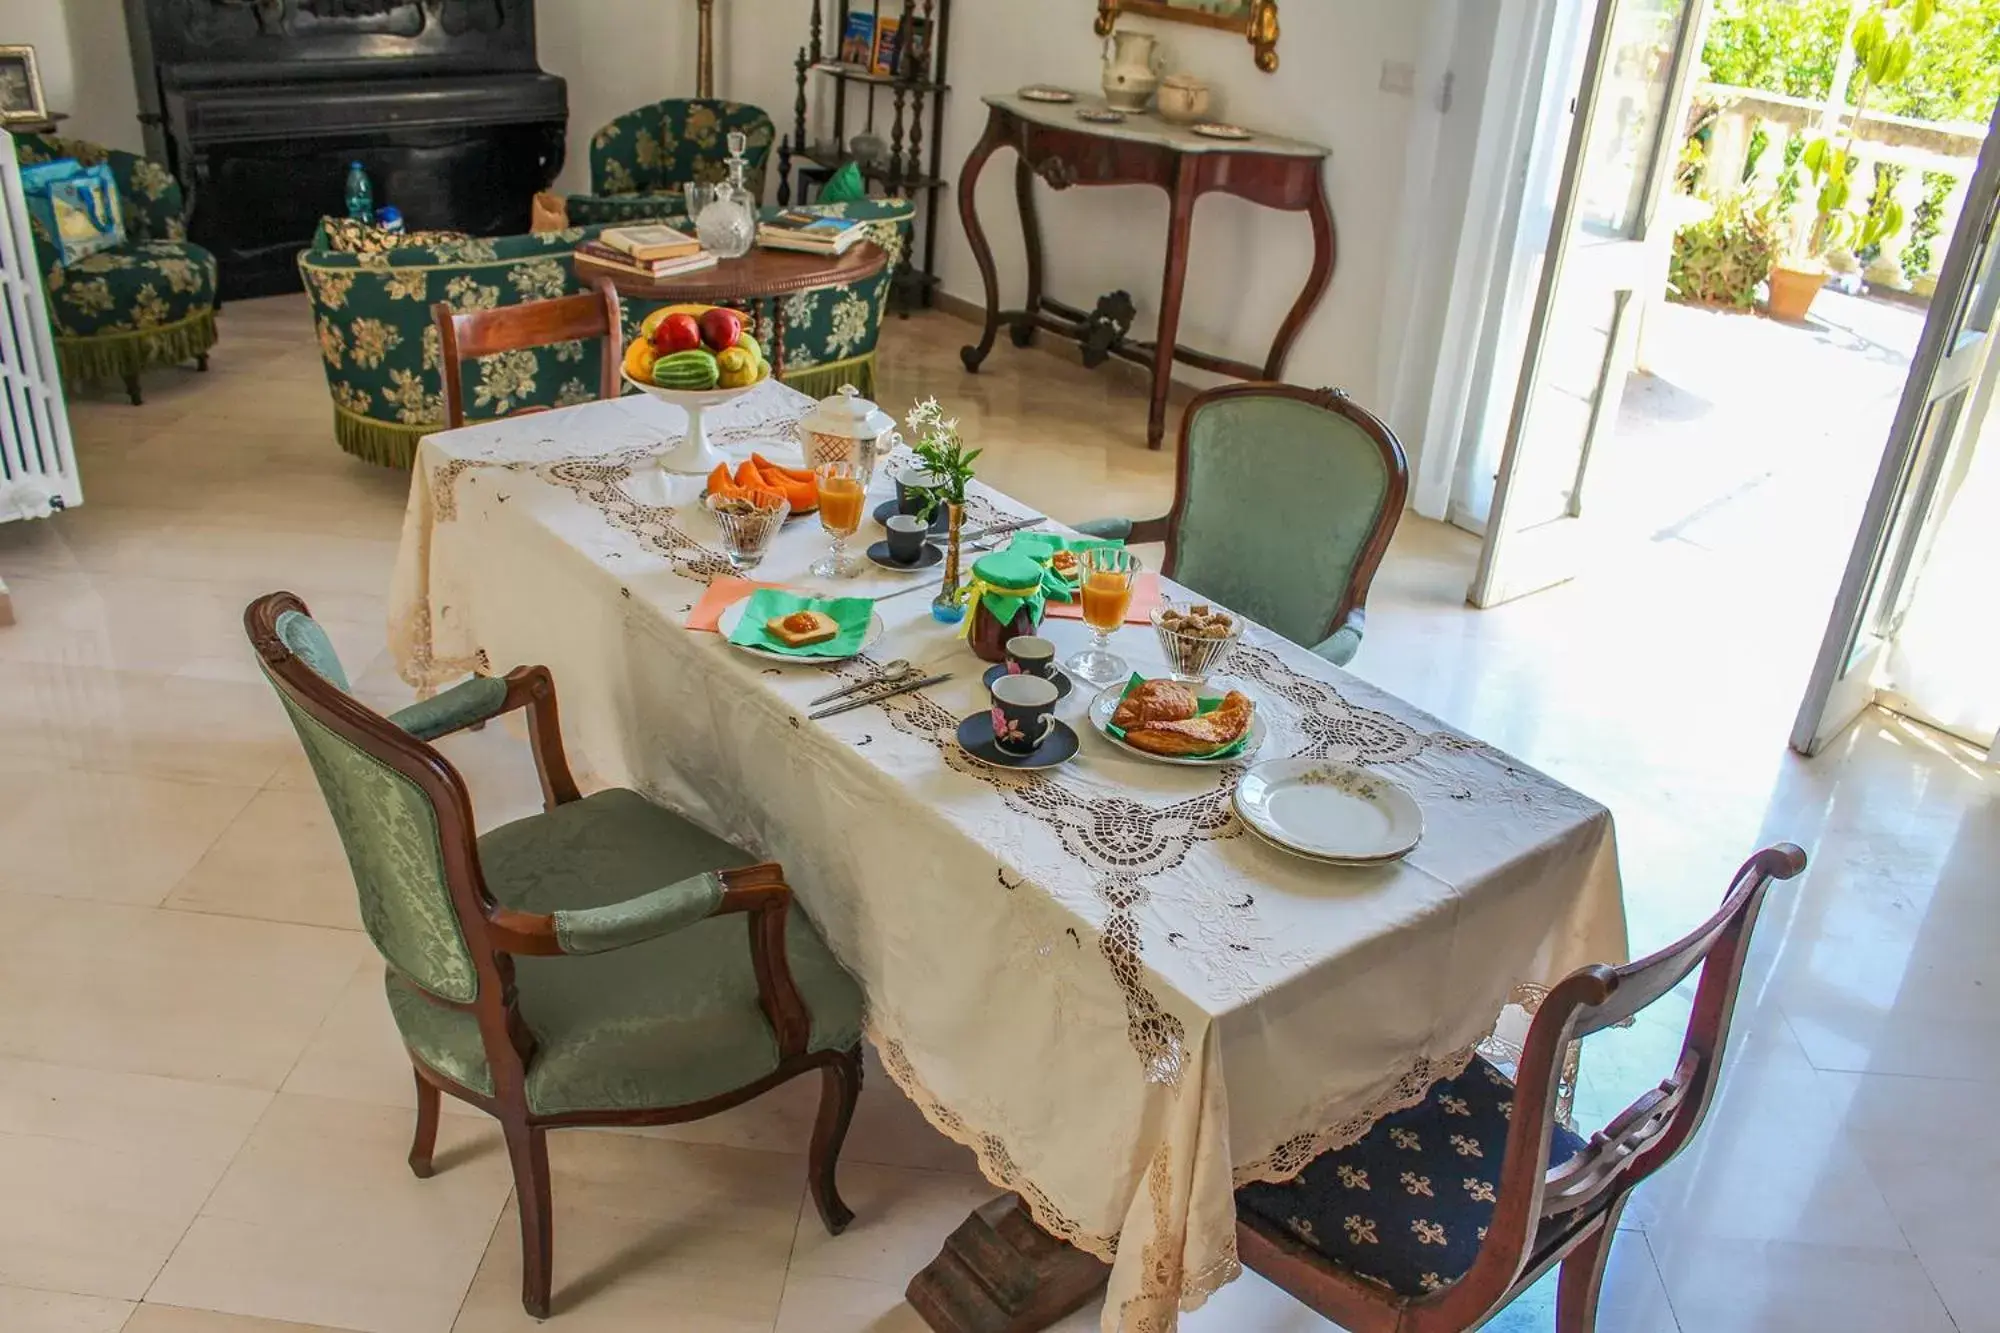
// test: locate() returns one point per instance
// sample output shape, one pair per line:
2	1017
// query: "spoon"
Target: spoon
891	672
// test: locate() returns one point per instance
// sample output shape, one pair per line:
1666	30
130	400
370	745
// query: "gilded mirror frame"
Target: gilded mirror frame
1259	26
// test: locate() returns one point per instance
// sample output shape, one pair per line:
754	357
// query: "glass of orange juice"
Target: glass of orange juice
1108	575
843	494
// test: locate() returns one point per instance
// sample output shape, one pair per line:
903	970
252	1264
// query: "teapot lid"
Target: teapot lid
848	415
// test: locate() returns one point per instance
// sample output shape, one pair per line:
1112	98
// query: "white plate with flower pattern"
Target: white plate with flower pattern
1330	812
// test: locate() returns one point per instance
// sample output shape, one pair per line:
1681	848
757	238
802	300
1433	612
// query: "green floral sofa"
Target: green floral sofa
372	317
640	161
148	302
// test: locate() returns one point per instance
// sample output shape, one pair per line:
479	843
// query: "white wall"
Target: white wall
85	62
616	55
1248	263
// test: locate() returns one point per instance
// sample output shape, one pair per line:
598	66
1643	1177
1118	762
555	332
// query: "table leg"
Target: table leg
1326	253
982	252
1031	231
1180	223
1000	1273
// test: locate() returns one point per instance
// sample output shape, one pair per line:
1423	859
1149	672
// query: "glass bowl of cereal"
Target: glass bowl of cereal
748	523
1196	638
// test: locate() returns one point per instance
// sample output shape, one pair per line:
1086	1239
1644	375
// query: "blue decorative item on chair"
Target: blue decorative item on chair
1285	505
78	206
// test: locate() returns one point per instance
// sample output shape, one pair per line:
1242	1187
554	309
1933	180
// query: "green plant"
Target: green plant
1760	143
1788	178
943	453
1924	227
1885	216
1884	47
1792	46
1722	259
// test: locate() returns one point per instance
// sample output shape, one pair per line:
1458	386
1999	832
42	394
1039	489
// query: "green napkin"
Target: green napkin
1042	547
852	614
1203	707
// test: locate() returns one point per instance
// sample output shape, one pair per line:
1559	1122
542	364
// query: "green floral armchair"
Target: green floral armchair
148	302
640	161
371	313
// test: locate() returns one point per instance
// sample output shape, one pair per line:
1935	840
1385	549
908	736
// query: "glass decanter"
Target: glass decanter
727	226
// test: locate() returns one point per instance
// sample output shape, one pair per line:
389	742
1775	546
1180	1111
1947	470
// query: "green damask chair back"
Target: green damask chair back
148	302
657	149
1286	502
388	822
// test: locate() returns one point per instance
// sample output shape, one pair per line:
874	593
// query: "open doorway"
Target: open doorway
1723	443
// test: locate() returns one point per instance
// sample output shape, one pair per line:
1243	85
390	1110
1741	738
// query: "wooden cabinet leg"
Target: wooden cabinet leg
1000	1273
1172	287
975	235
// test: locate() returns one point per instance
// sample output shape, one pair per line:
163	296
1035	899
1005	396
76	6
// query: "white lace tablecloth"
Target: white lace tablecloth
1097	979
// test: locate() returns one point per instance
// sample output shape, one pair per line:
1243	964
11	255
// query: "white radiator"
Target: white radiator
37	461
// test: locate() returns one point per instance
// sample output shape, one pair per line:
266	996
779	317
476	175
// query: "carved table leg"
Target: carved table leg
1000	1273
1031	232
1326	253
1179	225
982	252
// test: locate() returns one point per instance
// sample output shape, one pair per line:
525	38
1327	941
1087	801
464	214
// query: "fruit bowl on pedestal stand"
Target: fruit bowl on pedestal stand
694	454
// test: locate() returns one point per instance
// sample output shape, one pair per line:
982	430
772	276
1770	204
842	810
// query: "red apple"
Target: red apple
676	333
721	328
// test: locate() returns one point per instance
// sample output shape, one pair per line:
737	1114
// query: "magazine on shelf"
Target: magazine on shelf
650	242
857	44
886	46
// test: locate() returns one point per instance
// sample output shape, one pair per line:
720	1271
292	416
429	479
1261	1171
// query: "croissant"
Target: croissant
1199	735
1155	701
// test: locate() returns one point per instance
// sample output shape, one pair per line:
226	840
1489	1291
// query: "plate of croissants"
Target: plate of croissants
1172	723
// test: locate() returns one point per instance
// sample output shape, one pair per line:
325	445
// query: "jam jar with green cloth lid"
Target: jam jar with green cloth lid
1007	599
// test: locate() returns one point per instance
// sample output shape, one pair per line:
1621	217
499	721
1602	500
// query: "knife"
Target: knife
853	704
1001	529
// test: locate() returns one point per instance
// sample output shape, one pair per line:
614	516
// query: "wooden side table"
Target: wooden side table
760	276
1052	143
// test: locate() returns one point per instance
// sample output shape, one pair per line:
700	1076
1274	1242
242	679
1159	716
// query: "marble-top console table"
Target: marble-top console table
1053	143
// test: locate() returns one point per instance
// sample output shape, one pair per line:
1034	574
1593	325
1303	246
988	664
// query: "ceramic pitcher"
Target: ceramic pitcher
1131	69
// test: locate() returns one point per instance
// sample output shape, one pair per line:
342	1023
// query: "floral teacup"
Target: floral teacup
1023	714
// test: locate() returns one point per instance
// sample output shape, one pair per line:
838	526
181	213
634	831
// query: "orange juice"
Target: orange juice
1107	595
840	503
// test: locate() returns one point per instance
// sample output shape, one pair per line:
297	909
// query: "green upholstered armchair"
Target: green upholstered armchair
1286	502
148	302
372	316
640	161
604	963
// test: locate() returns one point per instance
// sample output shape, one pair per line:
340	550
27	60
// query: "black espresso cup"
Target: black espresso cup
1024	714
1031	655
913	490
906	538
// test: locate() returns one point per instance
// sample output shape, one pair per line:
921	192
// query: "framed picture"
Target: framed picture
20	86
1257	20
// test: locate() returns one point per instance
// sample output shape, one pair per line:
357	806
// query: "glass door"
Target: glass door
1934	427
1605	255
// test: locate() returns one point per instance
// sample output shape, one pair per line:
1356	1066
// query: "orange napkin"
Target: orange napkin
1145	601
721	595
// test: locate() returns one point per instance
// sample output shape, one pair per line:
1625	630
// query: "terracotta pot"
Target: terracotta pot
1793	292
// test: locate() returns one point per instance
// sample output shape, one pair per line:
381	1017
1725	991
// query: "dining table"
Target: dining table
1122	999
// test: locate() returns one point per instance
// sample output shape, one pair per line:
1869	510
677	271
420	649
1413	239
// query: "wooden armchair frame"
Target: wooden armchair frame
1351	613
470	334
495	935
1567	1216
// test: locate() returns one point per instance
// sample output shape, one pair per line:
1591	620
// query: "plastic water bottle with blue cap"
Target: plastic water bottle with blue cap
360	194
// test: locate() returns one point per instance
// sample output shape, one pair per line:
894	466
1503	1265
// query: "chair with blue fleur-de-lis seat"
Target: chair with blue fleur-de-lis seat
1445	1212
604	963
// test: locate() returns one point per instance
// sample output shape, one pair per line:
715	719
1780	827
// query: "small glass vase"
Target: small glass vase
949	605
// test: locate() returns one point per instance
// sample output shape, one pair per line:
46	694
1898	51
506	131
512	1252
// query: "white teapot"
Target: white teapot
846	428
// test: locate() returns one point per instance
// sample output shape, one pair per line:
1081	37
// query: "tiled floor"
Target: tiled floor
204	1113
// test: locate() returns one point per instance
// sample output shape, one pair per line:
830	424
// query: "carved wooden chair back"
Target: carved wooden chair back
405	817
1566	1215
1285	503
467	335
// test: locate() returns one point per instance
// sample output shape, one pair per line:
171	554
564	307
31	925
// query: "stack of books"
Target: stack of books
650	251
810	233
